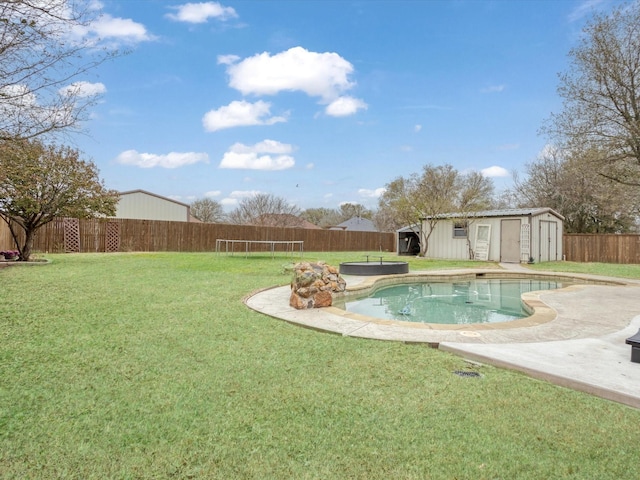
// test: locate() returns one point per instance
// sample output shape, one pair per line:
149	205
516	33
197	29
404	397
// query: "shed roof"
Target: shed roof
507	212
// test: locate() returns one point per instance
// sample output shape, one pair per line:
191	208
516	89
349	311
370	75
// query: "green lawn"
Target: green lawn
607	269
132	366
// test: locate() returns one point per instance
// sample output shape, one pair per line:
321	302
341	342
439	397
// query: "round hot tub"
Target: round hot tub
380	267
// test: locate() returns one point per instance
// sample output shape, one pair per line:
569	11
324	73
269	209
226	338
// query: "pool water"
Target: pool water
458	302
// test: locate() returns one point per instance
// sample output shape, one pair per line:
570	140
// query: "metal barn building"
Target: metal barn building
511	236
142	205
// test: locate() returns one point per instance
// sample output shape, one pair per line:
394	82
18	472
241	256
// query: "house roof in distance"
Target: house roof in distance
358	224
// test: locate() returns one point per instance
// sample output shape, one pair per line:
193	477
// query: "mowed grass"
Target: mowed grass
592	268
142	365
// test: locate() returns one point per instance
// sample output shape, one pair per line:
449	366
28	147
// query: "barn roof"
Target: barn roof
131	192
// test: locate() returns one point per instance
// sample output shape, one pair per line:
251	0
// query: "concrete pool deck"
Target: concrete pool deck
575	339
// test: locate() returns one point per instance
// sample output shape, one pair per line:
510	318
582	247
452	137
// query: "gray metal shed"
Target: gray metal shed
510	235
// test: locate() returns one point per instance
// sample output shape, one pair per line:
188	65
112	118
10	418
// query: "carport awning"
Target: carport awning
410	229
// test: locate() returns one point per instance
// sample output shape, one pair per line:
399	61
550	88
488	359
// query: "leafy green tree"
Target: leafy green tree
40	182
601	97
208	210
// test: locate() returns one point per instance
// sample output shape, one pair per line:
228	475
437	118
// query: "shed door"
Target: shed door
510	241
548	241
483	236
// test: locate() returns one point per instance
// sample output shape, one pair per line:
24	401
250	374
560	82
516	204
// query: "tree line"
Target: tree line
265	209
589	172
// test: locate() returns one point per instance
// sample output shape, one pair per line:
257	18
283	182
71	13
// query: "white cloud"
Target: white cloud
234	197
417	128
493	89
583	9
549	151
495	171
266	155
270	146
343	106
83	89
18	99
239	114
363	192
310	166
120	30
213	193
244	193
324	75
227	59
169	160
17	95
229	202
101	30
201	12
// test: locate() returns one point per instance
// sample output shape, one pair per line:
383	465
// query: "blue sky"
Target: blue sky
323	102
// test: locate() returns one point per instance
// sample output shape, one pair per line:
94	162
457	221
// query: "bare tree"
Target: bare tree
349	210
323	217
436	191
41	182
397	207
207	210
42	55
601	94
386	221
589	202
267	210
475	193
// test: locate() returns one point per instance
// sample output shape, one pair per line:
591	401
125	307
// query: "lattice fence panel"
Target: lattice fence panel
71	235
525	242
112	241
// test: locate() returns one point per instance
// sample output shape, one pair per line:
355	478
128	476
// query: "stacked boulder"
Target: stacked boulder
313	285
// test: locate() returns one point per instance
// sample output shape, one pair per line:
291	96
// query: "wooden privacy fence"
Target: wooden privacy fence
624	248
125	235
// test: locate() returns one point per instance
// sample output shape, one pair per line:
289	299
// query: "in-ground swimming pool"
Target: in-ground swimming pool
481	300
